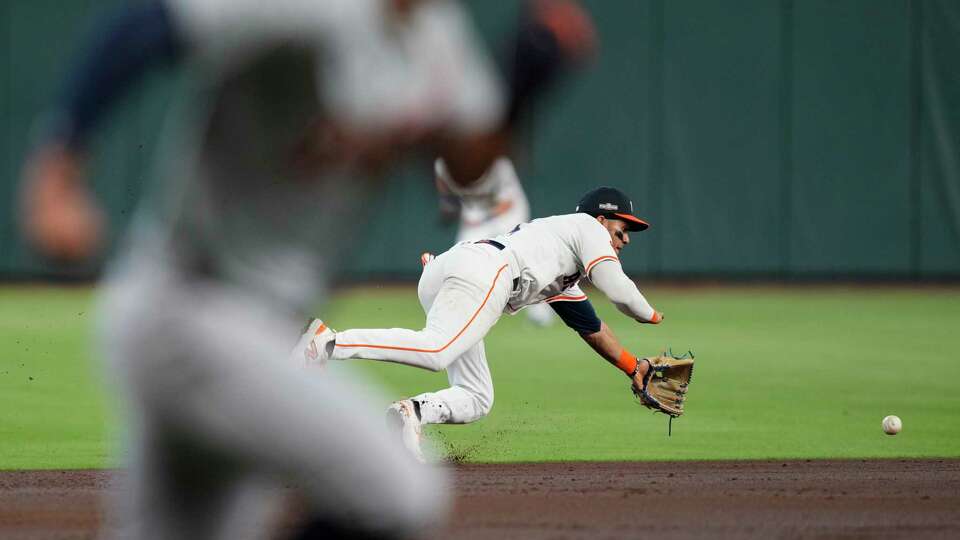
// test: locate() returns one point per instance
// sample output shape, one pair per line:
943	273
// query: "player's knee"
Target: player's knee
485	403
439	361
433	365
443	356
485	400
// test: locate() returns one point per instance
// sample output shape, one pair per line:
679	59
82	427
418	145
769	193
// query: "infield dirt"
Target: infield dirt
729	499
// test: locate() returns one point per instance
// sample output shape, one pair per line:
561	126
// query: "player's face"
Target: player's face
618	232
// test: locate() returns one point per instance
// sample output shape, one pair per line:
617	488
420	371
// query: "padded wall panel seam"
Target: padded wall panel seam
940	139
656	130
916	134
786	133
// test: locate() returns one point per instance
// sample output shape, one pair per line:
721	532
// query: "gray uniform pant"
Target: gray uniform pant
214	407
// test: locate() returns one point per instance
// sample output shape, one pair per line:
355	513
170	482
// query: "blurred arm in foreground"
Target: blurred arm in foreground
59	215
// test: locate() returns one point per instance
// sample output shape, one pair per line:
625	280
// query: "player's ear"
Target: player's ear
602	220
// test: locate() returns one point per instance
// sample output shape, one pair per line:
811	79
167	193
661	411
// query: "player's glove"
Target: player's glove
664	387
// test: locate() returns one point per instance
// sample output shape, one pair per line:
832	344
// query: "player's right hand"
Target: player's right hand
656	319
58	216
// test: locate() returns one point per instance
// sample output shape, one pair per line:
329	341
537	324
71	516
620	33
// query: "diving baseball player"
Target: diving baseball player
297	104
465	290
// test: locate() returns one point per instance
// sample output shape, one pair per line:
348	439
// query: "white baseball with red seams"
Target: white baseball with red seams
892	424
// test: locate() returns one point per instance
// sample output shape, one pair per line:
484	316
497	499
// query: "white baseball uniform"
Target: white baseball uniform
223	265
493	205
465	290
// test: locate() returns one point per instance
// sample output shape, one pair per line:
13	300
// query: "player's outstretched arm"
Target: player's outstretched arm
607	345
58	213
581	317
608	276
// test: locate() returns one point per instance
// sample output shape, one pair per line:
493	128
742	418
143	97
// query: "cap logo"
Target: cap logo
608	206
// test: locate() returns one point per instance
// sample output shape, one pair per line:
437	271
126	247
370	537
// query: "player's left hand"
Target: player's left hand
639	377
58	215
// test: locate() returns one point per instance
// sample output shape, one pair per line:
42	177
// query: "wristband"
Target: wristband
627	363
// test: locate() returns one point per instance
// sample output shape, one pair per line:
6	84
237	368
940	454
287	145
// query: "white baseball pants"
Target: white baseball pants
463	293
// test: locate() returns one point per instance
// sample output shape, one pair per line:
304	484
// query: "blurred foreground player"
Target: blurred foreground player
298	105
465	290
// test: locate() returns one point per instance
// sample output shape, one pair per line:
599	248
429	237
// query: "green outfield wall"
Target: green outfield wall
761	138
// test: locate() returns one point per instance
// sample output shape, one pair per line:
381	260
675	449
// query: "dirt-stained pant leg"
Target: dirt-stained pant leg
202	367
470	395
444	297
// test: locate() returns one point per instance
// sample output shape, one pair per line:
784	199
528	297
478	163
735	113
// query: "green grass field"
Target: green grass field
804	372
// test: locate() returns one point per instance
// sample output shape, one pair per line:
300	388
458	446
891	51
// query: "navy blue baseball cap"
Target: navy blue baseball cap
613	204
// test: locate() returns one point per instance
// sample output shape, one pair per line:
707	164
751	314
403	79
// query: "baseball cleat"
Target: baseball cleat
402	417
311	350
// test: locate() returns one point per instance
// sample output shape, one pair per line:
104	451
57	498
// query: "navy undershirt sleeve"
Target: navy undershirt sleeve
578	315
124	46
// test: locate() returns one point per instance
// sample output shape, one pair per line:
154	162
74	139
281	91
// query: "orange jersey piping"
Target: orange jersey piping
562	298
460	333
599	260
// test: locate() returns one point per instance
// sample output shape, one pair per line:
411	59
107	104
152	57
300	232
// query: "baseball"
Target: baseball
892	425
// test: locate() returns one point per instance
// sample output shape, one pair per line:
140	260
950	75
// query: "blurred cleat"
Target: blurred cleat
403	418
311	350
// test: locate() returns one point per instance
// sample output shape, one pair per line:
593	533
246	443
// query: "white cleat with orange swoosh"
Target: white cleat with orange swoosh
312	349
402	417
